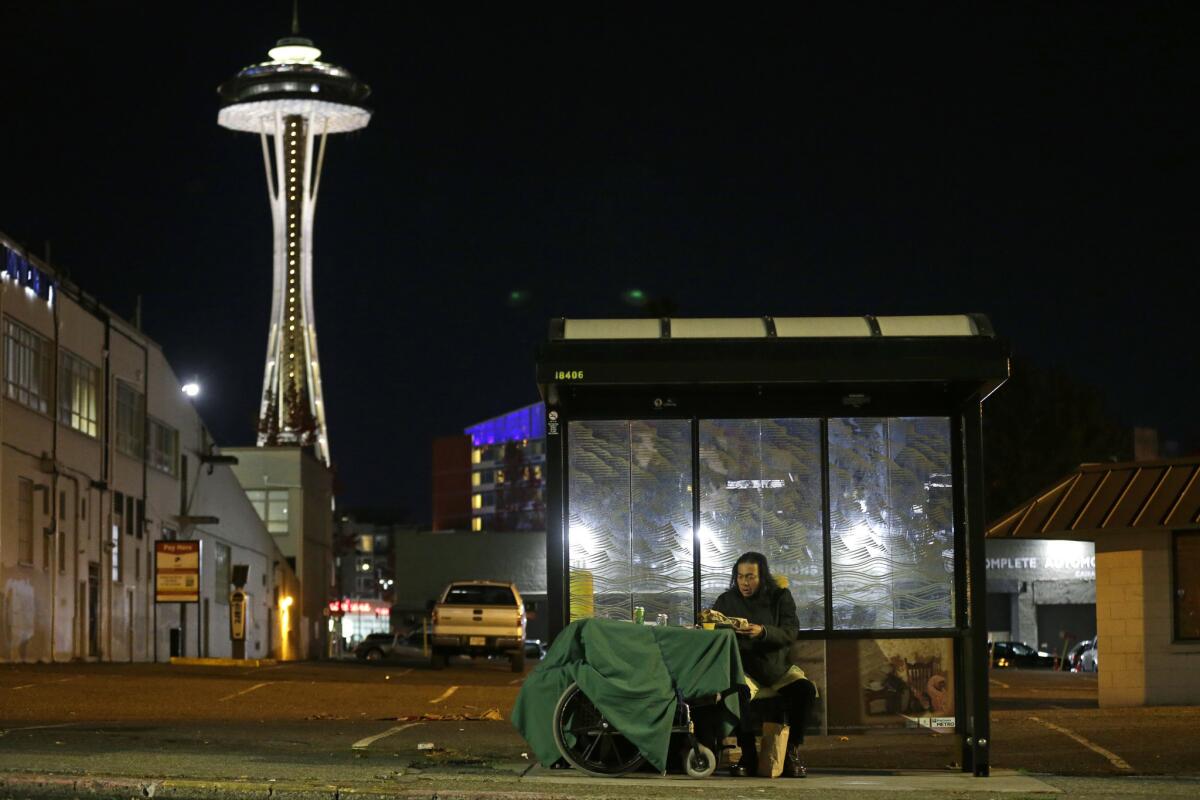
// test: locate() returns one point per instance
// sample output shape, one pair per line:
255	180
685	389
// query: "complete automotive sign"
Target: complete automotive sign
176	572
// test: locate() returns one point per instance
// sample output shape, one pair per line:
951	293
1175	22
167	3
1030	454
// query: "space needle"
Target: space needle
293	102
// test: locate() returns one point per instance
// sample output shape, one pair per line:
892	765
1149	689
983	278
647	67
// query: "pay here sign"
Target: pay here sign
176	572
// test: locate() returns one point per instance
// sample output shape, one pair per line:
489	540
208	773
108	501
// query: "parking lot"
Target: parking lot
315	721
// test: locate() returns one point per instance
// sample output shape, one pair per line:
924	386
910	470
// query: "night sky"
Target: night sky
1029	161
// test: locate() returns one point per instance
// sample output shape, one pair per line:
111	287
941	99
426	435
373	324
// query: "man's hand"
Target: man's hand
752	631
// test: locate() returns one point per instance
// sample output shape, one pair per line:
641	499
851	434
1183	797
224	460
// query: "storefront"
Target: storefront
354	620
844	449
1041	592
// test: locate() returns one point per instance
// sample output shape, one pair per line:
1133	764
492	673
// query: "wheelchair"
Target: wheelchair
591	744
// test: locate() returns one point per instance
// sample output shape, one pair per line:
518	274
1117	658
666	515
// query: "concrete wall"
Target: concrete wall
1139	664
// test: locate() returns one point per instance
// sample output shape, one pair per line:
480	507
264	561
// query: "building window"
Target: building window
475	478
272	508
476	455
1186	548
118	515
24	521
164	447
78	386
476	501
131	420
26	367
476	523
222	556
366	544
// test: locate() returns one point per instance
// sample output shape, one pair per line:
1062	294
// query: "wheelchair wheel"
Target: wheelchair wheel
699	762
588	741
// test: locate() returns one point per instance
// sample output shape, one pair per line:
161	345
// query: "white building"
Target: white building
101	456
293	492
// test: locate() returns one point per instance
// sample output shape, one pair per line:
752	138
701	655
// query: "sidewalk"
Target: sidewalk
538	784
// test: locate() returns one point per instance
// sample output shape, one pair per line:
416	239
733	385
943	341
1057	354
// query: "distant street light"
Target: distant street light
191	389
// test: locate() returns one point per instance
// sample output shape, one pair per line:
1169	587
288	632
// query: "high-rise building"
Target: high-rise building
293	102
492	478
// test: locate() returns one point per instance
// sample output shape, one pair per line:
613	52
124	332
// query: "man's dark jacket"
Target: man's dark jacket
764	658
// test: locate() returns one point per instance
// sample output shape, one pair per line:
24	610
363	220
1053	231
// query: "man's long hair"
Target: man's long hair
766	581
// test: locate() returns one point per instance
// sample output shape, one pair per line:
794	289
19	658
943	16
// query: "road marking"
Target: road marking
1112	757
47	683
445	695
403	672
257	670
516	680
1001	684
363	744
245	691
37	727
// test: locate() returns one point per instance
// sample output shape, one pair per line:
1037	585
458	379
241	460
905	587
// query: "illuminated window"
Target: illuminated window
131	421
476	455
499	476
78	385
476	501
272	508
475	478
118	516
26	367
164	447
366	544
477	523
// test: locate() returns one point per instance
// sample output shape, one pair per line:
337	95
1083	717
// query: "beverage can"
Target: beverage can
661	620
639	614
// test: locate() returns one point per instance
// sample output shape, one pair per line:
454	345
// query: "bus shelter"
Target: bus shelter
846	449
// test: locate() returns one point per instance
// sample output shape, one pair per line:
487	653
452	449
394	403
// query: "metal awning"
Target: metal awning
1144	495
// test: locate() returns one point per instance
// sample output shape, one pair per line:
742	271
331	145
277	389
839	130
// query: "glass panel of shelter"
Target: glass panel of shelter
891	534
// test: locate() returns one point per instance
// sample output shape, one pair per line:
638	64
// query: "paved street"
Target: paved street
338	724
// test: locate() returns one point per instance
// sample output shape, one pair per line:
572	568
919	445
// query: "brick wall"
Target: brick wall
1139	663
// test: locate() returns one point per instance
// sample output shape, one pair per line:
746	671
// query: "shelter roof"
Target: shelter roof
1143	495
953	357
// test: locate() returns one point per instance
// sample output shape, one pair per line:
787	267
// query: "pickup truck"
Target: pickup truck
479	618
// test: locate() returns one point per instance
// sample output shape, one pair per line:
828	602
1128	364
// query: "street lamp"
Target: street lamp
191	389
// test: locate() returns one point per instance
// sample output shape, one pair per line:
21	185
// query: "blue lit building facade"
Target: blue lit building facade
508	462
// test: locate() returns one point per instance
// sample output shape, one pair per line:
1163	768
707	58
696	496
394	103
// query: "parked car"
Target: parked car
1019	654
1072	661
479	618
380	646
1089	659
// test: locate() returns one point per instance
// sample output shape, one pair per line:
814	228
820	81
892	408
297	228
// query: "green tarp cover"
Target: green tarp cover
630	673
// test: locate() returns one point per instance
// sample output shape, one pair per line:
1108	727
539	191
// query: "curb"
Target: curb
223	662
66	786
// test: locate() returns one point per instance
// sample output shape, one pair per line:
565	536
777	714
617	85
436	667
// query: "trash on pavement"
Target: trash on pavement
425	746
492	714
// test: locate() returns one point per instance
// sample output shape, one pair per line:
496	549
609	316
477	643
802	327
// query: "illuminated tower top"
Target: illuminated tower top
293	102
